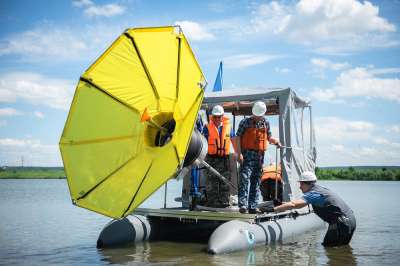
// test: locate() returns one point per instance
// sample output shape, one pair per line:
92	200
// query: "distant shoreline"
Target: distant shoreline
361	173
32	173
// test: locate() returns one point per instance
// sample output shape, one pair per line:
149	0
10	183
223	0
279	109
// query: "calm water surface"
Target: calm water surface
40	226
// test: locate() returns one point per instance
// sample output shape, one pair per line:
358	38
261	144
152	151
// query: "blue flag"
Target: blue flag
218	79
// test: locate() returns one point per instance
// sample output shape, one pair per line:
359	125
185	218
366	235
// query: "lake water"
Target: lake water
40	226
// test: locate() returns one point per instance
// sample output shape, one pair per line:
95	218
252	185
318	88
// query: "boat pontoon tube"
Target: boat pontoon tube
238	235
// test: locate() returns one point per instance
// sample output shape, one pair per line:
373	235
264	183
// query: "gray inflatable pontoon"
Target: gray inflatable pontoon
224	231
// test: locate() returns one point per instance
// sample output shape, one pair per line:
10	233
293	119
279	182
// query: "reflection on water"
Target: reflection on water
305	251
340	255
40	226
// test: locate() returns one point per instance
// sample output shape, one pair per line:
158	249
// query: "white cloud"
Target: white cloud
59	44
282	70
82	3
108	10
330	129
346	142
361	82
324	95
327	64
9	111
12	143
320	65
383	71
381	141
246	60
341	155
36	89
394	129
365	151
38	114
33	152
93	10
337	148
194	31
330	25
33	44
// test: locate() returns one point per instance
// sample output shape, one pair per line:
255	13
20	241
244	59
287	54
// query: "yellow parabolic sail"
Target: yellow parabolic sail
113	159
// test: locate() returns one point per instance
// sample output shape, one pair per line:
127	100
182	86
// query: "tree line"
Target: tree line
339	173
362	173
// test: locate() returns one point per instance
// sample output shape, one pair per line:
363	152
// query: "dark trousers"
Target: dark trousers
341	232
217	191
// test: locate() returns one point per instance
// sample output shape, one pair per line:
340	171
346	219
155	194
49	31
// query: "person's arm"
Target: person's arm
272	140
236	147
294	204
310	197
236	141
236	144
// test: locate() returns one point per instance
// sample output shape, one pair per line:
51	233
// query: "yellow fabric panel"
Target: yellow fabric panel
100	135
167	105
114	195
184	129
189	77
95	116
87	164
159	49
164	165
120	72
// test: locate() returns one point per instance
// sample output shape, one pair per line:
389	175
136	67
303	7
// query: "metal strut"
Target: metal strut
215	172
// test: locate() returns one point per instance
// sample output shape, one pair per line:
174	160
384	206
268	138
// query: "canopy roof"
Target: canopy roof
296	131
239	102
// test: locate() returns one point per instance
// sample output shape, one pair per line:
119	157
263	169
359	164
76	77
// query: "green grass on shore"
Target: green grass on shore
381	173
366	173
32	173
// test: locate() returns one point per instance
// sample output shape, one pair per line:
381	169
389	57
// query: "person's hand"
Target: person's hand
266	206
238	157
269	209
277	202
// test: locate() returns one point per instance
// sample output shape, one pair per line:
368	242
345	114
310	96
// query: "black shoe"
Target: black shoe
242	210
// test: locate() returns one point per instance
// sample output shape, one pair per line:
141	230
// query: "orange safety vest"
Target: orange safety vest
254	138
219	145
270	173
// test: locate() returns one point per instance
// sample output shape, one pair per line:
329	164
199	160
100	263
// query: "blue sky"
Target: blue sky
343	55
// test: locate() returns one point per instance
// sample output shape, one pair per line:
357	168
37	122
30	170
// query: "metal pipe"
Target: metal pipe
215	172
165	195
276	172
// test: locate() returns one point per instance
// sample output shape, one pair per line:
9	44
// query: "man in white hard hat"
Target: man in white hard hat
218	133
251	142
327	205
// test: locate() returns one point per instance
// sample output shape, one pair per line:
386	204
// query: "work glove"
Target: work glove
266	206
277	202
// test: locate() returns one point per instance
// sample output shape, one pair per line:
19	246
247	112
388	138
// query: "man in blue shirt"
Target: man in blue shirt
251	142
327	205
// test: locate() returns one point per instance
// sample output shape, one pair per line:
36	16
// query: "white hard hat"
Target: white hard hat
218	110
307	176
259	108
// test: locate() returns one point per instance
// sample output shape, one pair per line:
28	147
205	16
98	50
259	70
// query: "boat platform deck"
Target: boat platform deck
185	214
